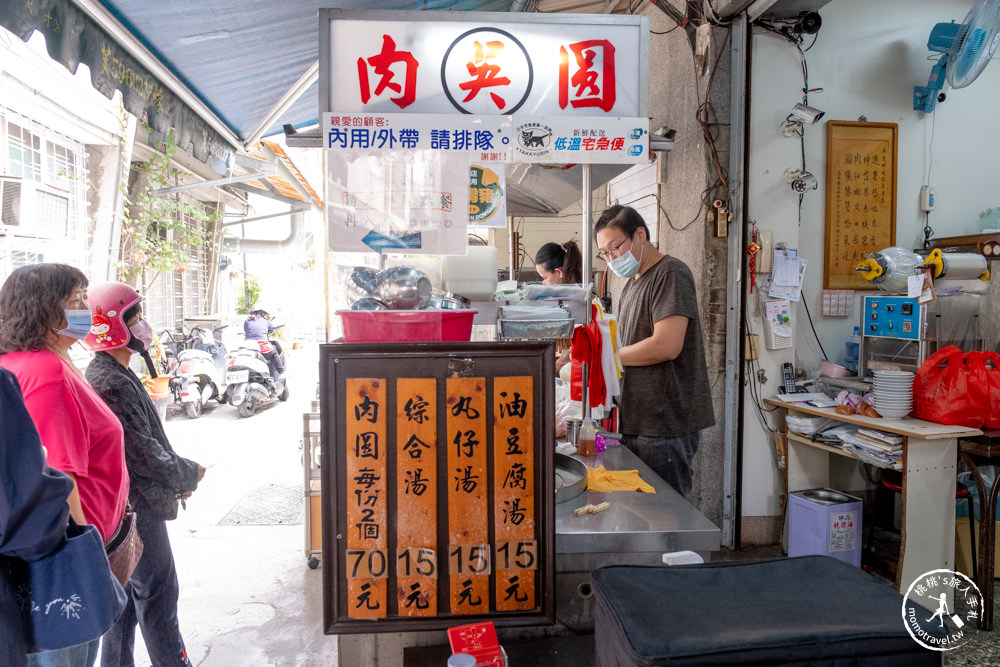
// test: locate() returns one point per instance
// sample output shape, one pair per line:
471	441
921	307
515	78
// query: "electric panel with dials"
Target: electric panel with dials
892	317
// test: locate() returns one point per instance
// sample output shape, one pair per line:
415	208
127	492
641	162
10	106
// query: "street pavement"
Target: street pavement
247	596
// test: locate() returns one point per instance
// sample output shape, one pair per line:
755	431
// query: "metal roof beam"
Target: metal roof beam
270	170
284	214
310	76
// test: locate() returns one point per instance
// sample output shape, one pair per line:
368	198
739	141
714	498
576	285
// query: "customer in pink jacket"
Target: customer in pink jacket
43	311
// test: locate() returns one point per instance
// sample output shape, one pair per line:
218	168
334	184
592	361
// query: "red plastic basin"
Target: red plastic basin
406	326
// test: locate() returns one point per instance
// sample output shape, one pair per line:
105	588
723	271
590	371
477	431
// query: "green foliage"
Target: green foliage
157	231
309	264
251	288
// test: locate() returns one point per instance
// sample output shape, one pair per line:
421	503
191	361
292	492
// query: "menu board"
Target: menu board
860	198
438	485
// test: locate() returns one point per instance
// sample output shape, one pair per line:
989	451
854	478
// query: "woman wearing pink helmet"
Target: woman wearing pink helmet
43	311
159	477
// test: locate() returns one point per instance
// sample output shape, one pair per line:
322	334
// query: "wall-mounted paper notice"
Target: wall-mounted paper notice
792	291
786	268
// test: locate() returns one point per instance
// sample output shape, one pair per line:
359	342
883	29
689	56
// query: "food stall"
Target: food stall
489	536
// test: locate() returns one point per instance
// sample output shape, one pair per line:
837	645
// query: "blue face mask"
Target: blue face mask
627	265
78	323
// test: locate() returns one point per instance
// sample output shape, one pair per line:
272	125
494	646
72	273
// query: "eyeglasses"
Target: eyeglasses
614	252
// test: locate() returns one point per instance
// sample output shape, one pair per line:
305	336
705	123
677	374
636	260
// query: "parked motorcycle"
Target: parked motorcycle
200	375
252	381
169	345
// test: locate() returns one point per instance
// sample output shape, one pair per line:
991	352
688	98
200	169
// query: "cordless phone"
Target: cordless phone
788	375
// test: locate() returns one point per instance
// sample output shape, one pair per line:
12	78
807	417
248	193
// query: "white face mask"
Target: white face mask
627	265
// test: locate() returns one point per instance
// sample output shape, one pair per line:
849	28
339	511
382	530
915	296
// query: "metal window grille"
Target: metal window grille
52	214
10	202
19	258
175	296
53	169
24	152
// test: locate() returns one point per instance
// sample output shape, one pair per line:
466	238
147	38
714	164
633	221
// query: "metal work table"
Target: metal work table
637	529
635	522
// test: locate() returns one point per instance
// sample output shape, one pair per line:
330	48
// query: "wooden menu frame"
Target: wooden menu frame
438	489
861	162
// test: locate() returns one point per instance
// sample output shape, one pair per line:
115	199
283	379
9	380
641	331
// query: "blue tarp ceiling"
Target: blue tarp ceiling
212	70
242	57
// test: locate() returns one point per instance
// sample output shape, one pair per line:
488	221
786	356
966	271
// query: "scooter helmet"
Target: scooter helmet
109	302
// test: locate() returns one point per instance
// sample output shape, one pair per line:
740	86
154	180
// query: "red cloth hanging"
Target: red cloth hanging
586	349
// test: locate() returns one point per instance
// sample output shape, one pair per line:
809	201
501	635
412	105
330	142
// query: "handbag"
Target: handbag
70	596
124	547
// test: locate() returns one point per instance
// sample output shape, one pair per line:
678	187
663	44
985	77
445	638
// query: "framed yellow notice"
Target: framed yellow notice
860	198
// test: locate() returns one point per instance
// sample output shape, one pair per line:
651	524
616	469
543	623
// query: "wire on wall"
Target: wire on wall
928	232
752	383
705	114
708	119
805	303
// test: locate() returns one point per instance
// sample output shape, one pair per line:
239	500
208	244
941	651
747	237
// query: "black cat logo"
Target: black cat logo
531	140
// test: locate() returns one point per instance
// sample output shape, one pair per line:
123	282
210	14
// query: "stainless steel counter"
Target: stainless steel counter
635	522
637	529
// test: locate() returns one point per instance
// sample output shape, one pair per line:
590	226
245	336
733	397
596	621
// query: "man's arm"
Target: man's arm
665	344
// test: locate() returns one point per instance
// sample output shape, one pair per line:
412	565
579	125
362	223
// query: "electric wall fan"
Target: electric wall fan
966	49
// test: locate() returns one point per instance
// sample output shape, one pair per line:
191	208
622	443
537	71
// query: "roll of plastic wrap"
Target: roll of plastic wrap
963	266
888	269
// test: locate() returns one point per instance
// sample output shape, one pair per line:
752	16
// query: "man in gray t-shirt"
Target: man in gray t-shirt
665	398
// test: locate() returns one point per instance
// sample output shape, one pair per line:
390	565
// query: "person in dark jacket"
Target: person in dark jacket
159	480
33	509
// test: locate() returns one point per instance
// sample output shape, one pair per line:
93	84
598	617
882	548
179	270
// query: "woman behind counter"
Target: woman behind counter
559	263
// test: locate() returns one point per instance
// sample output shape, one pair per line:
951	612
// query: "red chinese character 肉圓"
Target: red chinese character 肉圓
381	64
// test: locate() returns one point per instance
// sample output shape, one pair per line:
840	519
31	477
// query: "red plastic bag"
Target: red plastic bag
992	419
950	388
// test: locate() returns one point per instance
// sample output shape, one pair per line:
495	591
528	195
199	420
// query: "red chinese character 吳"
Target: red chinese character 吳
593	88
381	64
485	73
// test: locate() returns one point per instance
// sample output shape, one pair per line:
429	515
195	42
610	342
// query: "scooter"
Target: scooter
251	381
201	371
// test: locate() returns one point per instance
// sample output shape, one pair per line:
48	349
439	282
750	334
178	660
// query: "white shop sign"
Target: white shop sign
484	63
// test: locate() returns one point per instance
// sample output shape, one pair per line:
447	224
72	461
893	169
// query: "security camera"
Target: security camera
807	182
805	114
801	181
808	23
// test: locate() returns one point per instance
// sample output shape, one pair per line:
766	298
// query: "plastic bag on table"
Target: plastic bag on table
566	407
950	388
993	390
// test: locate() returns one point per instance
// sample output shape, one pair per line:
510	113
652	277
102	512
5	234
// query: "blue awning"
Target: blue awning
220	73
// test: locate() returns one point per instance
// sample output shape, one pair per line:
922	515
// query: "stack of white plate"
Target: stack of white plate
893	393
